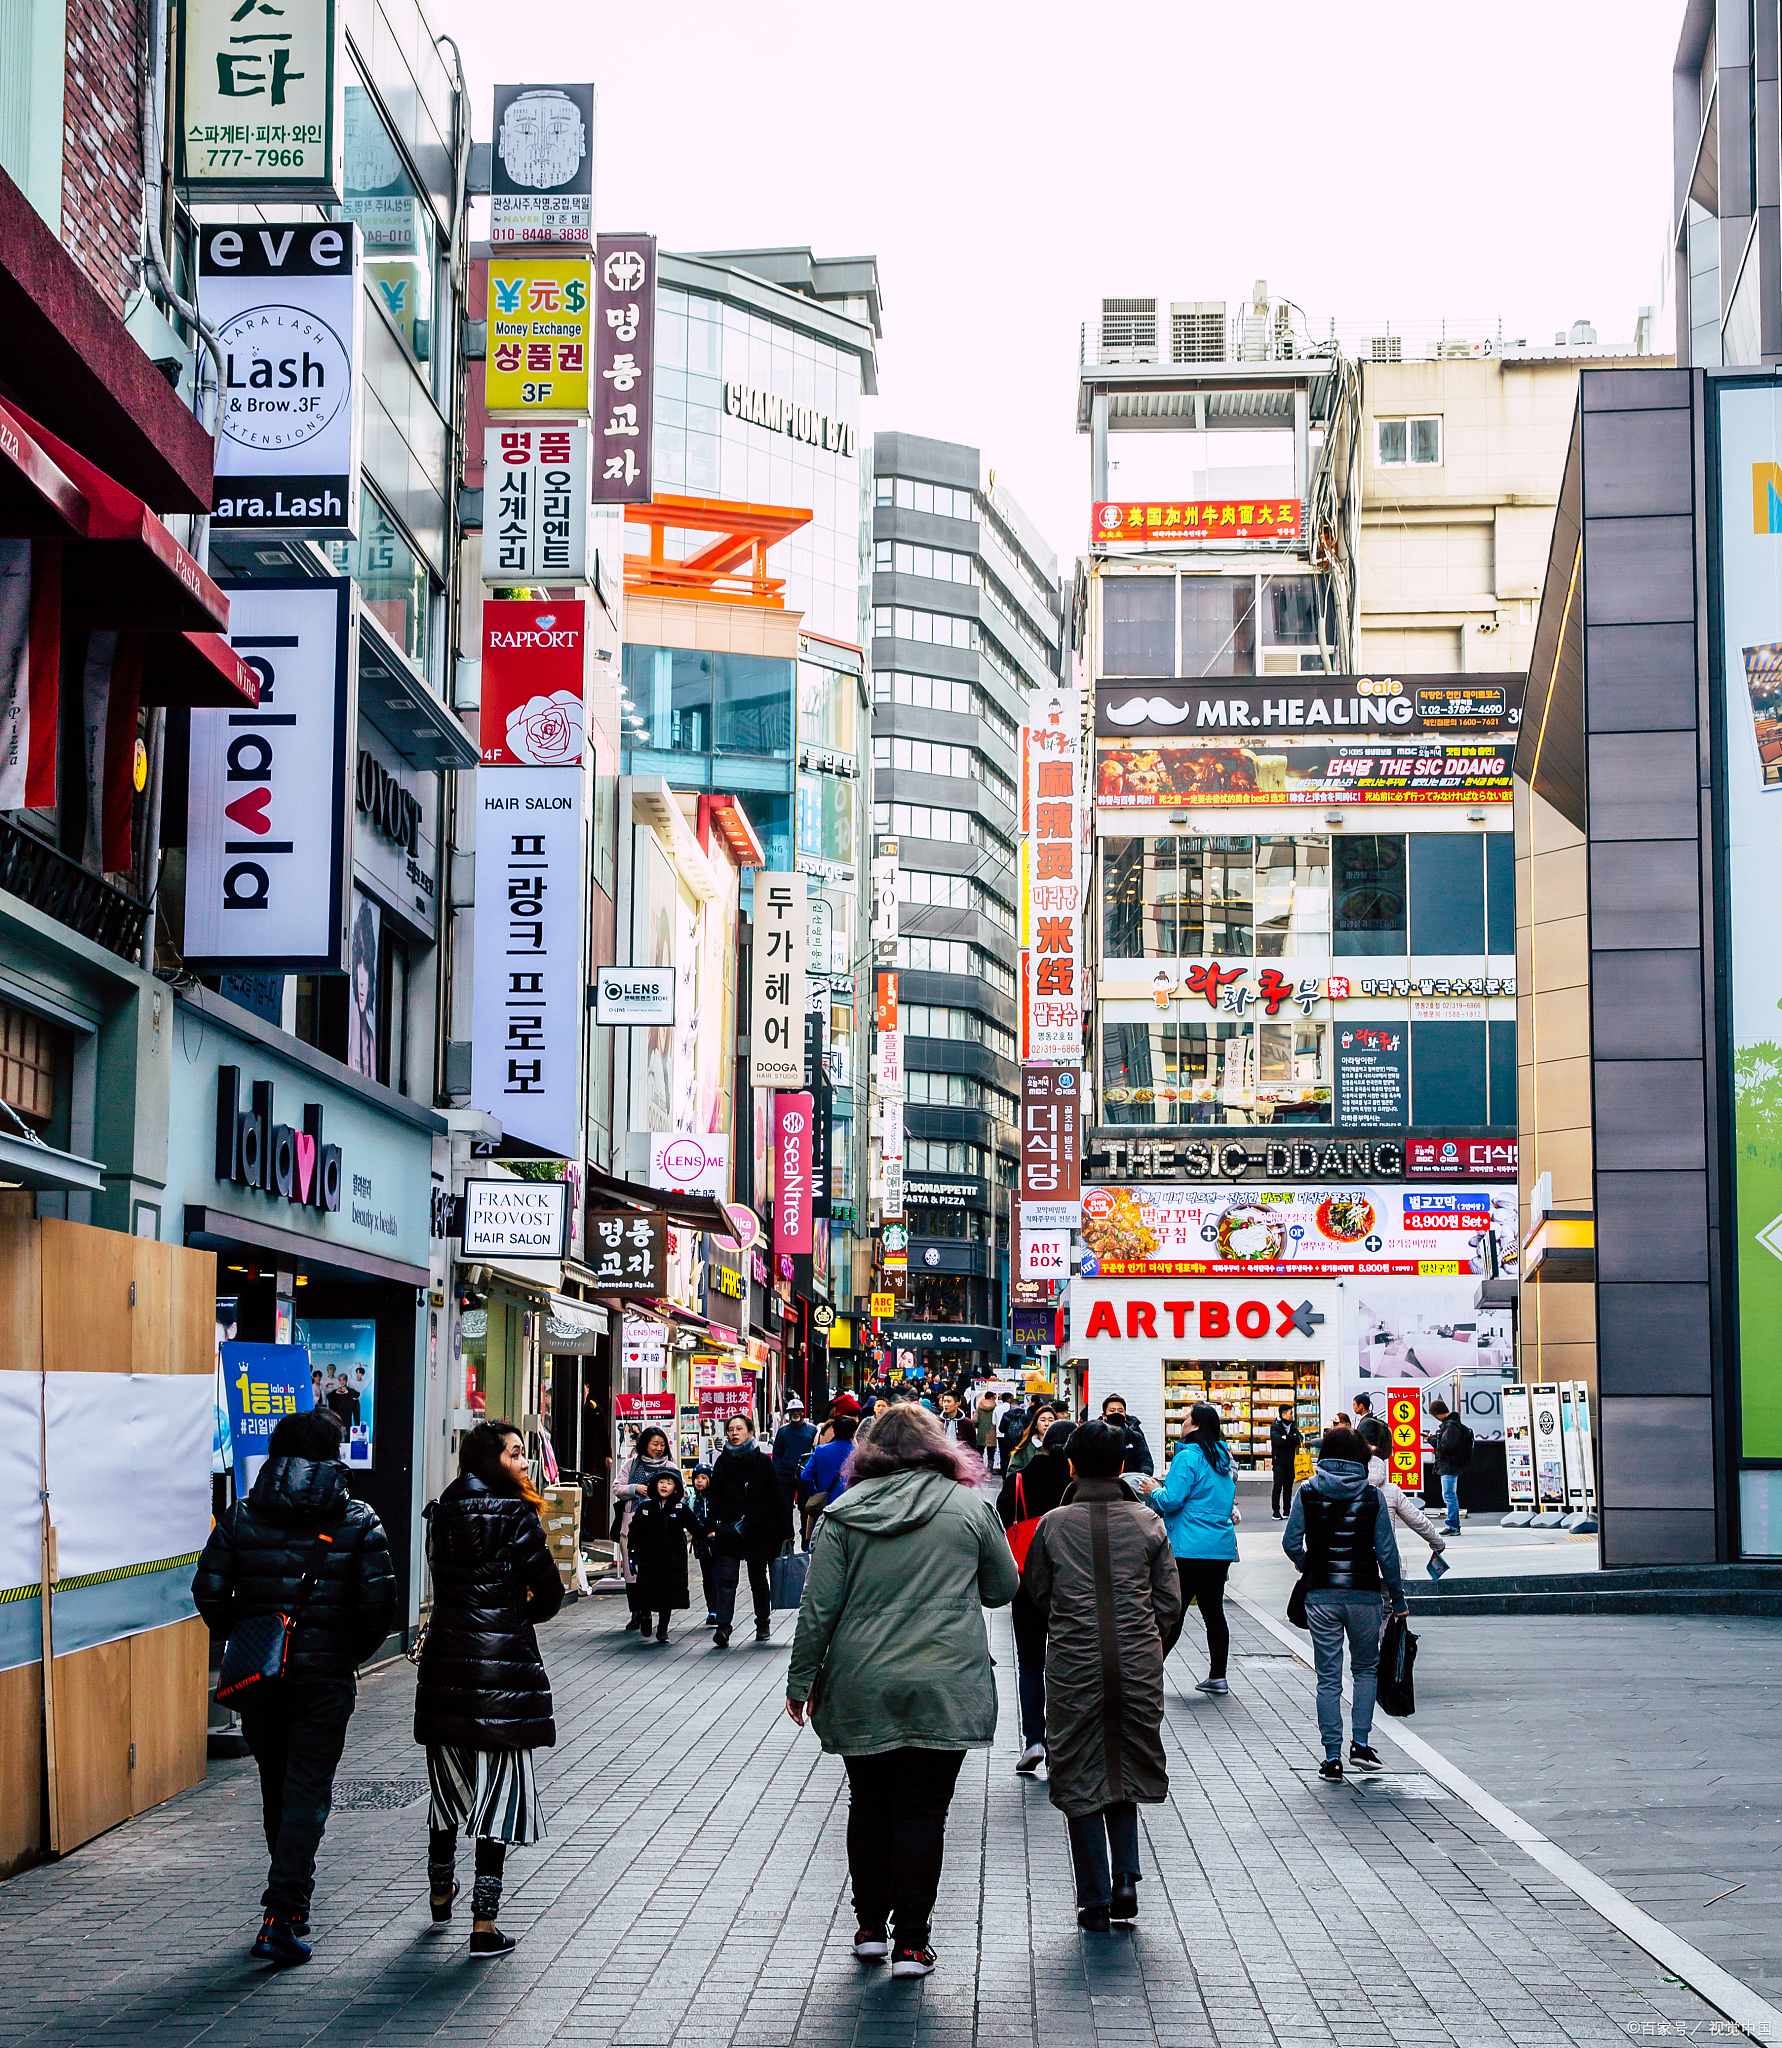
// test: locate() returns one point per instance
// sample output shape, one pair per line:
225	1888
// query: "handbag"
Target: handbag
257	1651
1020	1531
1398	1654
785	1578
1296	1603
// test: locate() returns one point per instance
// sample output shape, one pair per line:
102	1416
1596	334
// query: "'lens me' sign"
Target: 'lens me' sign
781	416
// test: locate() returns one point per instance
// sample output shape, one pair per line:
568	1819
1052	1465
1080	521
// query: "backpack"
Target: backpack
1457	1441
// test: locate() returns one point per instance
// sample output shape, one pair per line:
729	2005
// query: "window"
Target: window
31	1054
1408	443
1448	1073
936	1155
1193	1071
1010	614
1500	892
939	629
1290	611
930	1219
1447	892
692	702
942	565
957	828
1181	898
1218	625
1138	625
910	496
953	892
395	224
943	693
1368	895
936	1020
1005	556
955	956
392	578
958	1091
933	757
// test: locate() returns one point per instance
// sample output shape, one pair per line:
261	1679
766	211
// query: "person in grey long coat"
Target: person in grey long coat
1100	1569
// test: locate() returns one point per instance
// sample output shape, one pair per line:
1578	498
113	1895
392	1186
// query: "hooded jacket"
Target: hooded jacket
482	1681
659	1534
1195	1503
890	1631
261	1547
1401	1506
1342	1481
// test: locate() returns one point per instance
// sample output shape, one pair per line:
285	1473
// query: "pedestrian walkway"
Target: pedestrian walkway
694	1891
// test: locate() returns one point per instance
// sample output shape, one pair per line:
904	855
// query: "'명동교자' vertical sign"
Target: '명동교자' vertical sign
625	380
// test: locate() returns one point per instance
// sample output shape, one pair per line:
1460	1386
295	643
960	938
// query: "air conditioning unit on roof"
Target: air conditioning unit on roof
1197	331
1128	331
1386	348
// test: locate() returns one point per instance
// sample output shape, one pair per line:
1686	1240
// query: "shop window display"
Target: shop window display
1248	1398
1186	1071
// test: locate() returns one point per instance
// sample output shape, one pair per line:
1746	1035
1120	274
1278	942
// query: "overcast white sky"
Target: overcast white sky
1008	164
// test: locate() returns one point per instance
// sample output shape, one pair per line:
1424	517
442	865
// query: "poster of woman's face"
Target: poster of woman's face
362	990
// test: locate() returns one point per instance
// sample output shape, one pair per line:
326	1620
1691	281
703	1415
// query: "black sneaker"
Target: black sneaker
279	1944
662	1632
486	1947
1124	1905
871	1944
1331	1767
763	1630
720	1638
442	1914
1093	1919
1363	1758
912	1962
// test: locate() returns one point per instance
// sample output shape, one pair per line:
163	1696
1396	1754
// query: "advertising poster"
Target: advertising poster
1549	1448
540	314
268	819
1313	1232
1750	538
362	987
262	1383
343	1378
541	170
1519	1448
1407	1330
534	659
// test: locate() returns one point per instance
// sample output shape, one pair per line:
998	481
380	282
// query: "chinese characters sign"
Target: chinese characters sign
1404	1418
628	1252
530	991
541	170
776	1018
1051	1149
793	1117
539	316
536	480
533	674
1051	887
260	108
625	353
1200	519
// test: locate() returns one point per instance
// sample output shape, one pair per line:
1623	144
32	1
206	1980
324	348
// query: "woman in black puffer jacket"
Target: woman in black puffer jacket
484	1703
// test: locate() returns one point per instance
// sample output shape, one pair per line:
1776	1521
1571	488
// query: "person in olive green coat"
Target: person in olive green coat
892	1660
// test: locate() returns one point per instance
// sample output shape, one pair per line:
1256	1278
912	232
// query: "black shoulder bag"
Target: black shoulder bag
257	1651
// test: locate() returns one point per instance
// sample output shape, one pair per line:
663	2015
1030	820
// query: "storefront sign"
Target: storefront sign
254	1150
946	1194
889	1051
689	1165
1117	1154
343	1377
885	1003
1306	706
1461	1158
1045	1254
1051	1150
634	995
536	480
644	1407
394	846
516	1219
286	303
943	1336
1051	881
263	1383
792	1142
1134	1232
776	1028
644	1345
784	416
891	1158
894	1248
628	1251
1170	521
1032	1324
260	102
719	1404
884	915
1200	774
541	170
625	355
1404	1418
268	845
534	669
884	1304
1372	1070
540	312
527	1035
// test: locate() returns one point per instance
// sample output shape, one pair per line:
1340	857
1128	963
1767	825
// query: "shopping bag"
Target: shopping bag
1021	1529
785	1578
1398	1654
1302	1466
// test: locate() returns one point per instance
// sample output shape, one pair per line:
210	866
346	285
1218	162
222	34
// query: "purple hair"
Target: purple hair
906	1438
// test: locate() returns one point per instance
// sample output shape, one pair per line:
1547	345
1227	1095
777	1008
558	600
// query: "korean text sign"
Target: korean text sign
1051	1148
624	398
793	1119
628	1251
540	316
530	989
261	111
536	484
776	1025
541	170
534	673
1051	891
263	1383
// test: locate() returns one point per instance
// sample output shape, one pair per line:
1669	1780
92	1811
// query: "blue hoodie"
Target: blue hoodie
822	1469
1343	1479
1195	1503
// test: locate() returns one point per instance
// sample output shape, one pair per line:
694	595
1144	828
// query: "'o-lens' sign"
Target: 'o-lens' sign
781	416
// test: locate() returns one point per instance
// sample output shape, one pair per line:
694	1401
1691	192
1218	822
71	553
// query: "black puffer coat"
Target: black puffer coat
261	1547
483	1683
659	1534
745	1490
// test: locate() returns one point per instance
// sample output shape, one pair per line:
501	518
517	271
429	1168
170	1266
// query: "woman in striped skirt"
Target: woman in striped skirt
483	1704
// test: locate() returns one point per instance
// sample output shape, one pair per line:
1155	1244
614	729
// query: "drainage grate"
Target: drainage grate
371	1795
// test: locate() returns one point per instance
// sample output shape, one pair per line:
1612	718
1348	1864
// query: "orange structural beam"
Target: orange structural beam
731	568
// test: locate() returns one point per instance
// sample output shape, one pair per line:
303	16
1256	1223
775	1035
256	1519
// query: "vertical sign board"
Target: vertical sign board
884	902
1404	1419
261	102
777	990
1051	1149
526	1059
268	821
1586	1452
792	1139
625	367
534	678
1549	1451
891	1156
1519	1449
536	484
1051	890
289	314
1572	1445
540	313
885	1014
541	170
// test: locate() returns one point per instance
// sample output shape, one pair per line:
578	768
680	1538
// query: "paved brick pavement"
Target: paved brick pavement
693	1891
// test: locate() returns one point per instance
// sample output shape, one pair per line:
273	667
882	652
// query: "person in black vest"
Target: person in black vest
1284	1441
1340	1536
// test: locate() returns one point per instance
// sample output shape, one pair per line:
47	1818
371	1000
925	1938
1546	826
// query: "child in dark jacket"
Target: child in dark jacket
661	1527
699	1506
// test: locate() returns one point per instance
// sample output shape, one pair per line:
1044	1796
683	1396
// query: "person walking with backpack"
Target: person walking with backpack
892	1664
1099	1568
1453	1445
483	1701
1340	1536
299	1545
1033	1491
1196	1501
754	1519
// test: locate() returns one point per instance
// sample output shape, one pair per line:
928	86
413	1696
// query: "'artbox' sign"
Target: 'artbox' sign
533	673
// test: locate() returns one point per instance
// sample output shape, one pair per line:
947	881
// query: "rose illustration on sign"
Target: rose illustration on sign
546	732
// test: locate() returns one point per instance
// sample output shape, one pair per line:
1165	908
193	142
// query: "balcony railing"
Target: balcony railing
61	888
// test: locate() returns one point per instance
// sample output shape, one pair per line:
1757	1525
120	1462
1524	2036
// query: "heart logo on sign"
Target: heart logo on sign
250	810
306	1162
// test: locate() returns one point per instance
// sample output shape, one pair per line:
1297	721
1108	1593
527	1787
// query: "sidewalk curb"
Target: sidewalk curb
1753	2015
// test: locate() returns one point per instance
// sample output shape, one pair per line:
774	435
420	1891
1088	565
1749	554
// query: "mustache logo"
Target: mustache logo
1139	710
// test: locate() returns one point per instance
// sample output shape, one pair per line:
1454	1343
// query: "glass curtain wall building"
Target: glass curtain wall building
966	622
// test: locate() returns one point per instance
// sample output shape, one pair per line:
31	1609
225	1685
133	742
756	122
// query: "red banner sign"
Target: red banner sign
792	1134
1404	1417
718	1404
642	1407
1174	519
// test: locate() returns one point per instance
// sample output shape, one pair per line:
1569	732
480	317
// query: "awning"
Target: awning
27	1165
37	500
197	669
698	1212
129	571
572	1326
217	1230
402	707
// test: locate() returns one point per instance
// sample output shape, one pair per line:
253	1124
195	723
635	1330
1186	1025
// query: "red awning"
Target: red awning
37	500
196	669
129	573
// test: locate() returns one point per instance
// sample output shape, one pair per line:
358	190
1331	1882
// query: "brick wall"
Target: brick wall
102	142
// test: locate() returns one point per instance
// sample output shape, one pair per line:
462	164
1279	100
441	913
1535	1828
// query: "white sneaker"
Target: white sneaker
1031	1758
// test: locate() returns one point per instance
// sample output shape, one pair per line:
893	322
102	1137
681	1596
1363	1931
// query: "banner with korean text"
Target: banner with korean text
1051	879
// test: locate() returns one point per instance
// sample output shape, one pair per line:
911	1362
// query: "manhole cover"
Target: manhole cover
370	1795
1400	1785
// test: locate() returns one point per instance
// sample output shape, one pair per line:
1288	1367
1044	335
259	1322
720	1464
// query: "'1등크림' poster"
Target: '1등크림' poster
343	1377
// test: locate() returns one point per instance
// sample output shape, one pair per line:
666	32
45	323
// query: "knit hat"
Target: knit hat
844	1404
